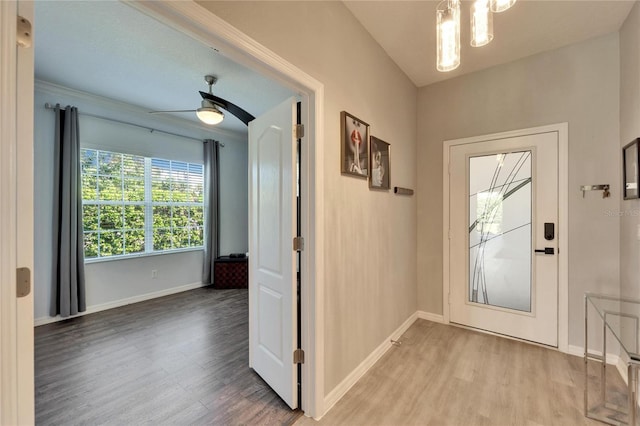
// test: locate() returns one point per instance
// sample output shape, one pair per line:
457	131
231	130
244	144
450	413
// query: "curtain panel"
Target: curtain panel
211	208
68	281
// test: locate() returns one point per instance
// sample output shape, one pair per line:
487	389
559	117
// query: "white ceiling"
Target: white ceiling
110	49
406	31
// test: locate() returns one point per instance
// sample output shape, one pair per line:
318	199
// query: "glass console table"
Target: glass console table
621	316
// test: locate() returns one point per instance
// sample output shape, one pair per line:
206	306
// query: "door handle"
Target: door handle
546	250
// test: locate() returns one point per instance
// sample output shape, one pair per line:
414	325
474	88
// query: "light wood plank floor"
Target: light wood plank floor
445	375
176	360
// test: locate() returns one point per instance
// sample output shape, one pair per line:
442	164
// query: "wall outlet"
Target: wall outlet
154	273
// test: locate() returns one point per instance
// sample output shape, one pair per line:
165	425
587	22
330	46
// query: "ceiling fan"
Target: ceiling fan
209	112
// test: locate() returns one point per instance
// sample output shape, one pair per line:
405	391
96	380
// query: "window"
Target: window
133	204
489	212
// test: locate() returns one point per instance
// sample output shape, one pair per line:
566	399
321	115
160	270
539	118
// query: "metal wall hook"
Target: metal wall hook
604	188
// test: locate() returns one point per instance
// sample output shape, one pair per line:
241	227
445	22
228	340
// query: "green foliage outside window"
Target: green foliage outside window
118	219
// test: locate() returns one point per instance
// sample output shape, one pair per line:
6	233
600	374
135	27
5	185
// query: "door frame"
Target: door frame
562	129
16	230
201	24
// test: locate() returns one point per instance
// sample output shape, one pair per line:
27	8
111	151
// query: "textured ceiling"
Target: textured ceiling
110	49
406	31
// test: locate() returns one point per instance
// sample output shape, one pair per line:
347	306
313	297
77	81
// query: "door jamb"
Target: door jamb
16	230
563	218
8	236
201	24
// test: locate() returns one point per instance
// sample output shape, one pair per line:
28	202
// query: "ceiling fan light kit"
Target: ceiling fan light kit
209	113
448	28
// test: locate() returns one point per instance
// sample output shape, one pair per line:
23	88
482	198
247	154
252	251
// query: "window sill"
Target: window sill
140	255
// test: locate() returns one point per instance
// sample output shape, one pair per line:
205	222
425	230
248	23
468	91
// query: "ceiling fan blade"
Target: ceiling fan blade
175	110
242	115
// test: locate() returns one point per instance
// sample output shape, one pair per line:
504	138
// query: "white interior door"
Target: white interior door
273	315
503	259
16	216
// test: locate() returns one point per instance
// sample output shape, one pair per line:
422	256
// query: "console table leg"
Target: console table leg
632	379
604	362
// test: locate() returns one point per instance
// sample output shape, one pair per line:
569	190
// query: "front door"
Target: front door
273	304
503	241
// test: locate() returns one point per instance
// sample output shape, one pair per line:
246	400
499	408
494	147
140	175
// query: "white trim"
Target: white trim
9	405
612	359
25	220
430	316
563	235
563	217
575	350
621	366
133	256
196	21
122	302
339	391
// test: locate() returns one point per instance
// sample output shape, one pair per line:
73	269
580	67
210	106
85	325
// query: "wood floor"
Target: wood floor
444	375
177	360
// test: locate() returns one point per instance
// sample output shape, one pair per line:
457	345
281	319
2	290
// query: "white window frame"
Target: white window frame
148	205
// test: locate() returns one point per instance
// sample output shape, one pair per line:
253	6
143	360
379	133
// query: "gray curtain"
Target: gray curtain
68	286
211	208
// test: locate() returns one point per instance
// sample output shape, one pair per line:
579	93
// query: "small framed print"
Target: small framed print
379	164
354	141
630	160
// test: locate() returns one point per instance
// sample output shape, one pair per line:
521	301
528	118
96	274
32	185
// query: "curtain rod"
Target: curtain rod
150	129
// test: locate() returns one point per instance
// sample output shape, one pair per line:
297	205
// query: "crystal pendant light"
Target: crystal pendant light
498	6
481	23
448	35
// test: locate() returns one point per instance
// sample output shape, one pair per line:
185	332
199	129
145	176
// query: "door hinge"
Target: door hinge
298	244
449	233
299	131
23	282
298	356
24	32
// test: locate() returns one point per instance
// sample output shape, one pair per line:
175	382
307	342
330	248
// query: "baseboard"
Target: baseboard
122	302
575	350
621	366
612	359
431	317
344	386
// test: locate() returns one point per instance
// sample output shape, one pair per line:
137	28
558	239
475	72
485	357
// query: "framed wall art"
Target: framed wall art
379	164
630	160
354	141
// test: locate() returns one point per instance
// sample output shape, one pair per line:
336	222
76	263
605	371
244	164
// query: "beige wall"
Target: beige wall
370	236
577	84
629	130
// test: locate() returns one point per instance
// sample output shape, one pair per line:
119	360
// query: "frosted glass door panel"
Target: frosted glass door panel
500	230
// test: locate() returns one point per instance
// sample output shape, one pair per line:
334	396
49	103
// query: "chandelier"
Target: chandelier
448	28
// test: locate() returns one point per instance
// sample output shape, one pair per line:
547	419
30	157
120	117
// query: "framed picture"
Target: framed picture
630	159
379	164
355	141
